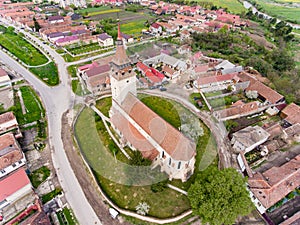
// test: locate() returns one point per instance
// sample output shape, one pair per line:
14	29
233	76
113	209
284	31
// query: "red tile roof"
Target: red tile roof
96	70
215	79
13	183
275	183
10	151
266	92
5	117
155	25
239	109
2	72
291	113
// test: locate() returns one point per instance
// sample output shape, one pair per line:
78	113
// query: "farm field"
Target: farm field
233	6
281	11
22	49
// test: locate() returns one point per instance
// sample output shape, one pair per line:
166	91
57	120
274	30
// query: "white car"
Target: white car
114	213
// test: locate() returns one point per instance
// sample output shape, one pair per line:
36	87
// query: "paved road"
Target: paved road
56	101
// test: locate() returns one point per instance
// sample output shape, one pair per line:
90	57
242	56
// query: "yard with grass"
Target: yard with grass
233	6
65	216
77	88
72	70
51	195
39	176
112	170
47	73
18	46
76	50
33	106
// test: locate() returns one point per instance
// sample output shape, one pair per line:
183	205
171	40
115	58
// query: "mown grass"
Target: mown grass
77	88
66	217
34	108
47	73
39	176
163	107
23	50
104	12
72	70
162	204
51	195
233	6
104	105
92	9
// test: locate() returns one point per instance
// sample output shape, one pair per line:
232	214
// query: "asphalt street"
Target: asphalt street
56	101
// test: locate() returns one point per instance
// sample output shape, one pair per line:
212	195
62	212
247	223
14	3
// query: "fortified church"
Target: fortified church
140	128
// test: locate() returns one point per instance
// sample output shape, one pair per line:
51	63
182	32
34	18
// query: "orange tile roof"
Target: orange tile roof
275	183
240	109
5	117
291	113
175	143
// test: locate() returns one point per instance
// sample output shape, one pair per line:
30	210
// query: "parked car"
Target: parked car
196	98
162	89
114	213
152	87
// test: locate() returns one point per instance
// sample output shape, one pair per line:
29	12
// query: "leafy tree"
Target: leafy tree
219	196
37	26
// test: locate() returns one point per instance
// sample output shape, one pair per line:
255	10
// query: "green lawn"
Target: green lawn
34	108
22	49
51	195
233	6
66	217
72	70
76	88
104	105
92	9
164	108
111	173
47	73
39	176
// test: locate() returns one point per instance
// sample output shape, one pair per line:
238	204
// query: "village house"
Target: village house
127	39
275	183
11	155
166	147
184	49
215	83
8	122
55	19
105	40
152	76
239	109
291	114
249	138
226	67
96	78
265	93
155	28
16	194
165	59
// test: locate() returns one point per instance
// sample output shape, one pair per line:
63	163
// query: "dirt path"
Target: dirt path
85	180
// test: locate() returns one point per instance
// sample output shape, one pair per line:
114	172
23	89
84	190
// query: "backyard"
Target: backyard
65	216
39	176
33	107
18	46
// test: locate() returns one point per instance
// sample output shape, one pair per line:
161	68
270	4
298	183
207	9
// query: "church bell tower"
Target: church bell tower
122	77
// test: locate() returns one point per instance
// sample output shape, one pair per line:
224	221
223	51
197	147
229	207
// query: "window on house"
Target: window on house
163	154
169	161
179	164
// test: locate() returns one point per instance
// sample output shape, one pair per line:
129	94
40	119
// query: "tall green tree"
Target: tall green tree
219	196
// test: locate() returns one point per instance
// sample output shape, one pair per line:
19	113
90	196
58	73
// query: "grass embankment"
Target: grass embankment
283	12
163	204
47	73
110	173
18	46
39	176
77	88
33	106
